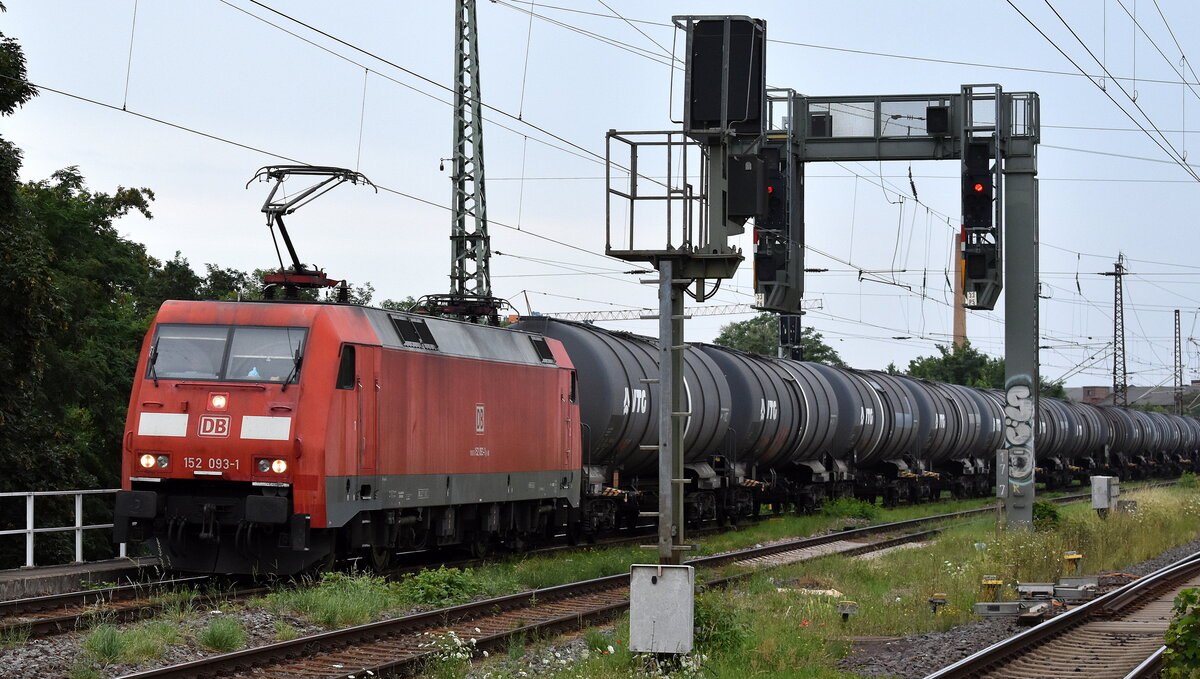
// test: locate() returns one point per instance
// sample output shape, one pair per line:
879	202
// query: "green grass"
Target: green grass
14	637
84	670
223	635
339	600
106	643
767	627
789	631
178	605
285	631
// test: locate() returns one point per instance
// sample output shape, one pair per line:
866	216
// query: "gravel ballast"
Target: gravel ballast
915	657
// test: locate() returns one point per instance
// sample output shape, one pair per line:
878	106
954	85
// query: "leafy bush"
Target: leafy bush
1182	657
441	587
223	634
1189	480
1046	516
851	508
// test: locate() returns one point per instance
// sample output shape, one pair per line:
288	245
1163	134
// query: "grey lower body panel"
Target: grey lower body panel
346	496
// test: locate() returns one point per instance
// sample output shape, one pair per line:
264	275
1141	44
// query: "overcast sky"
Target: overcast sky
253	88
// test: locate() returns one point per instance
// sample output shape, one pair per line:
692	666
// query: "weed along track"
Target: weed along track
404	645
55	613
1117	636
352	605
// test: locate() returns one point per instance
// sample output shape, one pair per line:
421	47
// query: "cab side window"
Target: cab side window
345	378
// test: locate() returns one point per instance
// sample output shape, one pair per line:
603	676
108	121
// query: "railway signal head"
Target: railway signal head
977	187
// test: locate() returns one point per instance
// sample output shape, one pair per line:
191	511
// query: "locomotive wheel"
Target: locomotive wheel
324	564
378	558
480	546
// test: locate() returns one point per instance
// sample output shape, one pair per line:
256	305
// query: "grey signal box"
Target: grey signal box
661	613
1105	490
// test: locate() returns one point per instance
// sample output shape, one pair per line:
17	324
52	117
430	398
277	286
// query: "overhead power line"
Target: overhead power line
290	159
845	50
1168	149
648	313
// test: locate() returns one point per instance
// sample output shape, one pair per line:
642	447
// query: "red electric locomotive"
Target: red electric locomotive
279	436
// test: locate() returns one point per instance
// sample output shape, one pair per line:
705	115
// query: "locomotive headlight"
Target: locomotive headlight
148	460
279	466
264	465
218	401
163	461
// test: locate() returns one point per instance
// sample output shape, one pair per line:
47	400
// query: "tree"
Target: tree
957	364
405	304
87	355
970	367
760	335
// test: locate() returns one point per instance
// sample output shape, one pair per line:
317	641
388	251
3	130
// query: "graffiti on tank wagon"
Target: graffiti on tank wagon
1019	414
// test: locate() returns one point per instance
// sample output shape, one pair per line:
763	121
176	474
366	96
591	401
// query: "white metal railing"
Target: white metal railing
30	531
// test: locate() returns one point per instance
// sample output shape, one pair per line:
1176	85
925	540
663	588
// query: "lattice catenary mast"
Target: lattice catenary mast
470	294
1178	368
1120	384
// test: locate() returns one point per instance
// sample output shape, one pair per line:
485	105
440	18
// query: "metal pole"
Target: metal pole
78	528
1120	374
1020	336
666	399
29	530
679	415
1178	368
960	299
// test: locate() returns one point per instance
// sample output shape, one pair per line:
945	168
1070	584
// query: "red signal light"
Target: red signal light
978	188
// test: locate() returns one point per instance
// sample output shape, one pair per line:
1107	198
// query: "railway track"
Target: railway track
399	646
45	616
57	613
1117	636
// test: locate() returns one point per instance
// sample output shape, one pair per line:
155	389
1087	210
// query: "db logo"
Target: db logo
214	425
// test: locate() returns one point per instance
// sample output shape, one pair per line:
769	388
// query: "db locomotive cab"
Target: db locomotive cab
212	444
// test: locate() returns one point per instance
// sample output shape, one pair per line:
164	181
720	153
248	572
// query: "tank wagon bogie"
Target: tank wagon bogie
275	437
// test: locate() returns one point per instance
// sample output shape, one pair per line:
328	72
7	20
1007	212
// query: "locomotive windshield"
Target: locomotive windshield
226	353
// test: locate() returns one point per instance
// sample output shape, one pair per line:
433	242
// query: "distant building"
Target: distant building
1157	396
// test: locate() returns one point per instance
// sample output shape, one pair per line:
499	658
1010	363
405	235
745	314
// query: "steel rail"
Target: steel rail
1150	667
71	611
1107	606
614	587
14	607
404	657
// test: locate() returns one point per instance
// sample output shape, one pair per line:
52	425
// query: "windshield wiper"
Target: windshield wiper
153	360
297	360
